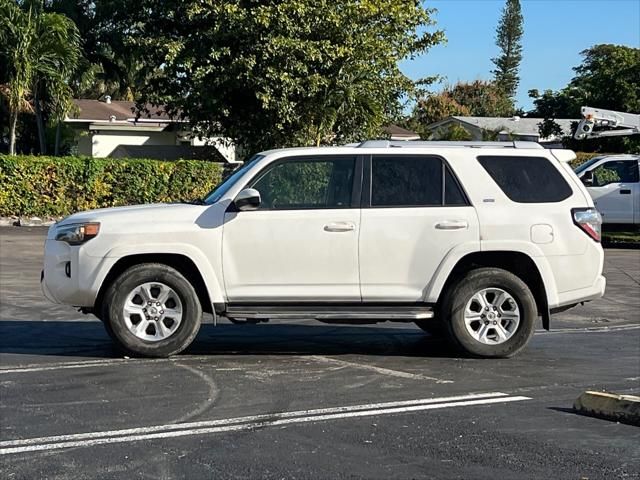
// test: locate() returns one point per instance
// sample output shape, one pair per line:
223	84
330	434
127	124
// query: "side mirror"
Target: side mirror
248	199
587	178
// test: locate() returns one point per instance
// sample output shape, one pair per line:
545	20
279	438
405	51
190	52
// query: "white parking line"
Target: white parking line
247	423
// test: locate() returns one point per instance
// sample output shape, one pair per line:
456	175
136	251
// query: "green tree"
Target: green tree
41	51
432	109
294	72
110	64
483	99
508	39
478	98
607	78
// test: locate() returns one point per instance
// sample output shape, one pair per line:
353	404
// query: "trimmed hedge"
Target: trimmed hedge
582	157
59	186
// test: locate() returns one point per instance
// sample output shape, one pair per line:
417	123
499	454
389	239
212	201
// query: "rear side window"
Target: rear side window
527	179
413	181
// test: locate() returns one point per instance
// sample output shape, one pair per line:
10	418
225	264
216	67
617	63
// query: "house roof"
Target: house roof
102	111
513	125
396	131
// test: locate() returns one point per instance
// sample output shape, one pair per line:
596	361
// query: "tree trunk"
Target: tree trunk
56	149
40	123
13	122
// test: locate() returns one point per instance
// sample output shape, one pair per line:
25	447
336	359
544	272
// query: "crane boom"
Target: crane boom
608	123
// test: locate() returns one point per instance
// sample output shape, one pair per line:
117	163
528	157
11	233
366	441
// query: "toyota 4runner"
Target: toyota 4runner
474	240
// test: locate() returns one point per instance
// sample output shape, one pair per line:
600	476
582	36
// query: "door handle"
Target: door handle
339	227
452	225
625	192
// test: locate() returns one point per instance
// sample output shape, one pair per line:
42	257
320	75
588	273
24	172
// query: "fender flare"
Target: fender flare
198	258
456	254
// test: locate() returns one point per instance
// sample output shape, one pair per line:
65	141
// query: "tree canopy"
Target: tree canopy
477	99
277	73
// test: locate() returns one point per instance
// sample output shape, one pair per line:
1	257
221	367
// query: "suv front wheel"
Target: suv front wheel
152	310
490	313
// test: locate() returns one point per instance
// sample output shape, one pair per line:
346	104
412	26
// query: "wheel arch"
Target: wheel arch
532	270
181	262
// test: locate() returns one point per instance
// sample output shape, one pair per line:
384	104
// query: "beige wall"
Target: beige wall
104	142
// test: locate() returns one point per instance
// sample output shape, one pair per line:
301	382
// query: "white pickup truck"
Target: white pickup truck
613	181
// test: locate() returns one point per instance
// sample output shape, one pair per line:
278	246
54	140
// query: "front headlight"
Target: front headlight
77	233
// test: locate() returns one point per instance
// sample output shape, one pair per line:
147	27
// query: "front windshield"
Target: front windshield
218	192
587	164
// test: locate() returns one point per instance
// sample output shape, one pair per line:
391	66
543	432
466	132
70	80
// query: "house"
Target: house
395	132
513	128
109	128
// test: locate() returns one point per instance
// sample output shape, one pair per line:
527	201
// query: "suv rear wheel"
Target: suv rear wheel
152	310
490	313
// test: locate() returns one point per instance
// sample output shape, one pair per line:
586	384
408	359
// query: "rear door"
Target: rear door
615	185
414	212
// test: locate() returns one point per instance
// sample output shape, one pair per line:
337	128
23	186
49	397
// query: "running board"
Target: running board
332	313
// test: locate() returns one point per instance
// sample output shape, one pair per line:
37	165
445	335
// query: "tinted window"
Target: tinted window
527	179
406	181
307	184
621	171
452	192
222	188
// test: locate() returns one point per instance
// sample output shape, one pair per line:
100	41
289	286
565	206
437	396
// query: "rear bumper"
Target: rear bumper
593	292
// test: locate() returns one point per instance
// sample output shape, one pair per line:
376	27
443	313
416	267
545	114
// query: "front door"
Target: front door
614	186
302	242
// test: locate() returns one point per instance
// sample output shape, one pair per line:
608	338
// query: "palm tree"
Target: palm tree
43	50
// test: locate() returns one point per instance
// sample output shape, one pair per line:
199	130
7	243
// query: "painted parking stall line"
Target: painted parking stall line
89	439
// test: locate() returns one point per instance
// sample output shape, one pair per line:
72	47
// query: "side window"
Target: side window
622	171
413	181
307	184
527	179
406	181
452	192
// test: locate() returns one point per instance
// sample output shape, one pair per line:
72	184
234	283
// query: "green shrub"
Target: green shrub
59	186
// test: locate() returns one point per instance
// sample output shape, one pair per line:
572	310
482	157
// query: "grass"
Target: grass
616	236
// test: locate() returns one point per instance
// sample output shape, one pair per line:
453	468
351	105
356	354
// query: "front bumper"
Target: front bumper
63	281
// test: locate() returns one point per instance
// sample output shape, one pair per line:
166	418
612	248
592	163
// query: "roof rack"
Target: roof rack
418	144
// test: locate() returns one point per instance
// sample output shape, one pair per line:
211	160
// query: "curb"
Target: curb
610	406
25	222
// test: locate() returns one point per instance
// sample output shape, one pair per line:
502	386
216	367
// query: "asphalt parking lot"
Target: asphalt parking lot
308	400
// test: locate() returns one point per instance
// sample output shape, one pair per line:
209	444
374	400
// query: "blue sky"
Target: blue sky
555	32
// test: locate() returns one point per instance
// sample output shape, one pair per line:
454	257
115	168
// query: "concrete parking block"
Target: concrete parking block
611	406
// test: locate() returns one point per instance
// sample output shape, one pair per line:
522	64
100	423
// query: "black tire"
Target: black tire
455	302
116	294
433	326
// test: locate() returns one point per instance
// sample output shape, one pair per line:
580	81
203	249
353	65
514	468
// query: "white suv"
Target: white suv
475	239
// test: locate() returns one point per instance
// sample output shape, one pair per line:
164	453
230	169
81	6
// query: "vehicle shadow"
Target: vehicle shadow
89	339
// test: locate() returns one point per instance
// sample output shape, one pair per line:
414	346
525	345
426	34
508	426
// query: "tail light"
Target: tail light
589	221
